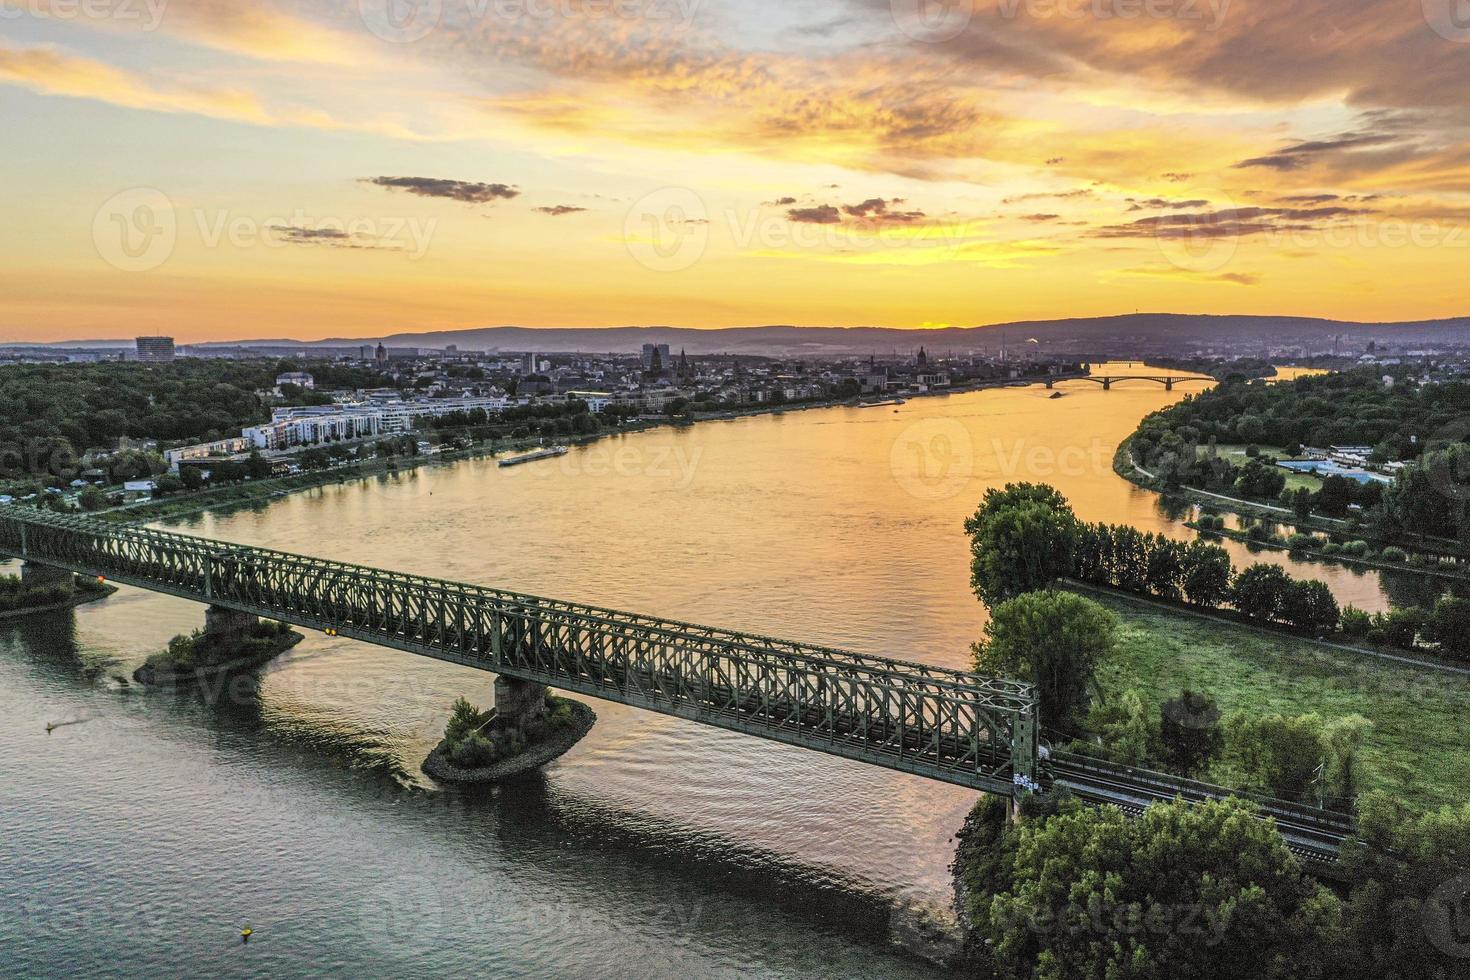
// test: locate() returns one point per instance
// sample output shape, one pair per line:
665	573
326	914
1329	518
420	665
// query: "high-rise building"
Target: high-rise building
528	364
381	356
156	350
365	352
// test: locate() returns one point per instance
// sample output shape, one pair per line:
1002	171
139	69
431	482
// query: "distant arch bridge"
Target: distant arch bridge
1108	380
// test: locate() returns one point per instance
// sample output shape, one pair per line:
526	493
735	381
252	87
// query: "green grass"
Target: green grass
1235	453
1419	748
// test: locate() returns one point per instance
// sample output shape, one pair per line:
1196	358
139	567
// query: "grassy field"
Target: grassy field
1235	453
1419	747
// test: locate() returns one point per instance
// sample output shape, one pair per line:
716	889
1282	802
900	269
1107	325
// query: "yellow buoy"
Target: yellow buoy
246	933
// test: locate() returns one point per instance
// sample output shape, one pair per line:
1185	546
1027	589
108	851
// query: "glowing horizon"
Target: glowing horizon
310	169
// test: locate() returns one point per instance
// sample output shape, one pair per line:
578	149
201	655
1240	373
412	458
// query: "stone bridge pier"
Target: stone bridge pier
228	624
35	575
519	704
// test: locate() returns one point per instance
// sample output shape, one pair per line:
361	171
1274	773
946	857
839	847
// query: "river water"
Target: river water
146	831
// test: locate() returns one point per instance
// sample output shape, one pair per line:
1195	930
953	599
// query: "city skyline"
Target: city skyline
326	169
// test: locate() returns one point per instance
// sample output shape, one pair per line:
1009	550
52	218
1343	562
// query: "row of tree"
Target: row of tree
1422	425
1187	890
1209	891
1026	536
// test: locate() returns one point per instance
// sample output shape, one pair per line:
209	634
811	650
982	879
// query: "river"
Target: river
145	835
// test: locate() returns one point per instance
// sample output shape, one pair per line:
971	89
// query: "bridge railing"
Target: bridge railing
969	729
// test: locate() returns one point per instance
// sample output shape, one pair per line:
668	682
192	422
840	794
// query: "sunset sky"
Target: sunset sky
219	169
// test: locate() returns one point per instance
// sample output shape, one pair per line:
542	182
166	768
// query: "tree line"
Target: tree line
1422	426
1186	890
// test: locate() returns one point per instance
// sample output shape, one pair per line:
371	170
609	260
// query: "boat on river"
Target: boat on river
534	455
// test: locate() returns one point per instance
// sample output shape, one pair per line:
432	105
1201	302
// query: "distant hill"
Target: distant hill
1136	333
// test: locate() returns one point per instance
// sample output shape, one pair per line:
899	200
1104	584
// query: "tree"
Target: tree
1277	754
1186	890
1055	640
190	477
1207	574
1300	501
1398	627
1021	538
1164	566
257	466
1190	732
1260	591
1310	607
1336	494
1249	428
92	498
1409	890
1450	627
1343	737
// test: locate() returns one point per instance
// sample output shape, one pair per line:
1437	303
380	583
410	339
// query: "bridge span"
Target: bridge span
1108	380
948	725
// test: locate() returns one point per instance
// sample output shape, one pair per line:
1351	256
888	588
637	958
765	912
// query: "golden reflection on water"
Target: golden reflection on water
839	526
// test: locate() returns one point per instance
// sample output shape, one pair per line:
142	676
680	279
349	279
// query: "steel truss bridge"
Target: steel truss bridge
942	724
1108	380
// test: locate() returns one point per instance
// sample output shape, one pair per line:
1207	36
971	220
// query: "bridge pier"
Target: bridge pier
1168	384
229	624
519	704
1107	384
1049	384
36	575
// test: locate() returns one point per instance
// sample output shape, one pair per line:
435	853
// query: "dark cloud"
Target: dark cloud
1054	161
557	210
1162	204
1299	155
1050	196
1226	223
1040	217
1175	177
1308	198
782	202
329	237
455	190
877	209
822	214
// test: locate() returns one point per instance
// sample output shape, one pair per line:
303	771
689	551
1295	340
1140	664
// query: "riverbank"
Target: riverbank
1339	558
201	658
554	744
1125	464
221	500
1418	748
85	591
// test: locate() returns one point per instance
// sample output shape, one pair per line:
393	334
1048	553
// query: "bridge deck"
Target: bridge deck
943	724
